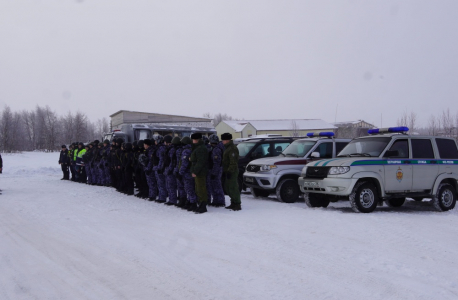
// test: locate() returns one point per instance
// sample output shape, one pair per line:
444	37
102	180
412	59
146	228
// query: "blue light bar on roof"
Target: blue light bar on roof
388	130
323	134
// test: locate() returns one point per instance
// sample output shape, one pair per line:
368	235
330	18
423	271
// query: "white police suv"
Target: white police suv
388	165
278	175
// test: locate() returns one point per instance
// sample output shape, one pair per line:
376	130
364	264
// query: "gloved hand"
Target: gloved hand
159	171
228	175
106	164
212	177
179	177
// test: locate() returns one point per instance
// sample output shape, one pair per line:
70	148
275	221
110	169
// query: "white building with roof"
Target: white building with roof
286	127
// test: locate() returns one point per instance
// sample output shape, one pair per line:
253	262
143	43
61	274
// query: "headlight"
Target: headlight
265	168
304	172
338	170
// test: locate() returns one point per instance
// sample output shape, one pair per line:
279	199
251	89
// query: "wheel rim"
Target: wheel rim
289	191
447	198
367	198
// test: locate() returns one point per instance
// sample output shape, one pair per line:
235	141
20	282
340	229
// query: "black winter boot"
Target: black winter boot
236	207
202	208
192	207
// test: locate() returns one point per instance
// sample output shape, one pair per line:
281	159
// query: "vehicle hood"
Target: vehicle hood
344	161
279	160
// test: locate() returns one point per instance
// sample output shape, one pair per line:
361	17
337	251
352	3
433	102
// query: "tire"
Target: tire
445	198
316	200
288	190
259	192
364	197
395	202
419	199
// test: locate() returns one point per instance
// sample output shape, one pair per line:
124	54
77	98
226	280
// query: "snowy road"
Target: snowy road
63	240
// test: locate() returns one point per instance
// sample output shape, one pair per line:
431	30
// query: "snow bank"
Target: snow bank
63	240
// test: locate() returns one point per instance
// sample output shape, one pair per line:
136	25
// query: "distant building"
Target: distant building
288	127
358	123
352	129
133	125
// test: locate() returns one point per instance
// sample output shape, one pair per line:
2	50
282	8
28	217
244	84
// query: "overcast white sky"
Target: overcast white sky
250	59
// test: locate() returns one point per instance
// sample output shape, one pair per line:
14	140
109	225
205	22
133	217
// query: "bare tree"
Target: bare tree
447	122
6	129
433	125
294	132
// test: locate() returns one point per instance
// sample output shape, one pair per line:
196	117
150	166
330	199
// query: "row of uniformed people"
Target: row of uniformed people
166	169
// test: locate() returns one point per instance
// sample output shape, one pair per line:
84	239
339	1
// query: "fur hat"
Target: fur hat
196	136
226	136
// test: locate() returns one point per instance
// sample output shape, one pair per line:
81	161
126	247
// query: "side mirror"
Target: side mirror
315	155
391	153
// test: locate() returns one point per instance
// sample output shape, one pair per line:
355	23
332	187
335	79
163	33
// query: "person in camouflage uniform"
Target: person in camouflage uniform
199	170
159	169
170	162
208	185
128	168
184	171
216	171
231	171
149	173
105	163
140	175
180	184
87	159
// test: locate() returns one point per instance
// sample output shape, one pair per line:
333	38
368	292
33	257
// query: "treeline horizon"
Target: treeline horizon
44	130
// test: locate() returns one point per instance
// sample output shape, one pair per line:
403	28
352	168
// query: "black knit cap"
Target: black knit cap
226	136
147	142
168	139
196	136
63	146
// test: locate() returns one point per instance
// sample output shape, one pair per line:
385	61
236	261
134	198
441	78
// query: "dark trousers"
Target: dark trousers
72	170
65	171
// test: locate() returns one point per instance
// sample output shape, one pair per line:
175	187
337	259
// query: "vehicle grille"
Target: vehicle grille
253	168
317	172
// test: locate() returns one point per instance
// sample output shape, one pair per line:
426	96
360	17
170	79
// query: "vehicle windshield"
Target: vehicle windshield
365	147
108	136
298	148
244	148
141	134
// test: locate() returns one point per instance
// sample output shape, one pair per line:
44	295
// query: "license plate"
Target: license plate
248	179
311	184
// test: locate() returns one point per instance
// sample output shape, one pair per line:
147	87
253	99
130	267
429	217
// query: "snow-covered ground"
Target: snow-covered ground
63	240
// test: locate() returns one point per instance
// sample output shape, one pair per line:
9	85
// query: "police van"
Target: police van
278	175
385	167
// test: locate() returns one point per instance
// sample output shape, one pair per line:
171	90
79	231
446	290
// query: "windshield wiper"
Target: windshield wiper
281	154
359	154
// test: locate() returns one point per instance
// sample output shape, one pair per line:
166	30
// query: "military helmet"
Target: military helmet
140	144
205	139
128	146
186	140
214	139
176	140
106	142
159	139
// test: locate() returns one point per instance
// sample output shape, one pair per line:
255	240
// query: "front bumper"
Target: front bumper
331	185
267	181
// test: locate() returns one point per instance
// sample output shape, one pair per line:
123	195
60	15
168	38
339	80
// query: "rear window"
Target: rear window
447	148
422	148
